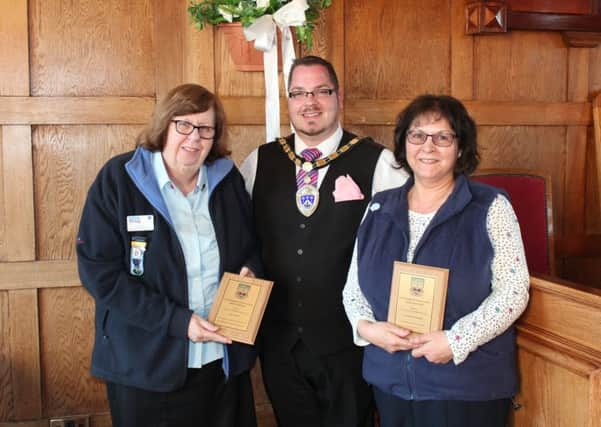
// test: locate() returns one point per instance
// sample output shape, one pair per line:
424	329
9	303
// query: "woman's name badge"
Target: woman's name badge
140	223
136	257
307	199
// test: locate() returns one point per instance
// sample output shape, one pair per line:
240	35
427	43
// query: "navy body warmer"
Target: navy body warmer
456	239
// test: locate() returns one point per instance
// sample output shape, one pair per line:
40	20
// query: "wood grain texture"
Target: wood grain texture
575	179
67	322
66	159
199	54
382	134
540	148
462	54
550	395
231	82
578	74
328	39
97	47
38	274
596	164
75	110
241	140
6	388
595	70
521	66
575	320
25	353
170	22
18	238
396	49
594	399
14	45
384	112
249	110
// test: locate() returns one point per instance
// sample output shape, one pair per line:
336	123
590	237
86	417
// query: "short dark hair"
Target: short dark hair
181	100
311	60
455	113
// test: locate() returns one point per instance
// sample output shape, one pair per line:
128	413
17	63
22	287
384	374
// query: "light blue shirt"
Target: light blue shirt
194	229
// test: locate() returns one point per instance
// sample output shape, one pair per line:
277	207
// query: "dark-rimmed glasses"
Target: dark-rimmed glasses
322	92
440	139
184	127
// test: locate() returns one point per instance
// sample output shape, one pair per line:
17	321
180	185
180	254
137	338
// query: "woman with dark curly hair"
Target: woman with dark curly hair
465	374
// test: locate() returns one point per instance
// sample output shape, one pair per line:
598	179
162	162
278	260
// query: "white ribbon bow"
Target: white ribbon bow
264	32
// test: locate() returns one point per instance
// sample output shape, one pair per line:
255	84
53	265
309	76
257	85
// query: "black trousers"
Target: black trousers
205	400
311	391
397	412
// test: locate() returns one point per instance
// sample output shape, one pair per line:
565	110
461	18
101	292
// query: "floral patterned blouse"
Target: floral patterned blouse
509	286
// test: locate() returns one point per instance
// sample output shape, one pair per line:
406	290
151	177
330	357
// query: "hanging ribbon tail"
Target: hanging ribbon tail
291	15
263	32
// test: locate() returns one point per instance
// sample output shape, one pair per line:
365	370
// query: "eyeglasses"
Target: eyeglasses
320	93
440	139
184	127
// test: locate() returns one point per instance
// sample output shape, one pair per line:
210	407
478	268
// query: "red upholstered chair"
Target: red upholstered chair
530	194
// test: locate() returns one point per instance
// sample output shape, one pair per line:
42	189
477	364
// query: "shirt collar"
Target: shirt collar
160	172
327	146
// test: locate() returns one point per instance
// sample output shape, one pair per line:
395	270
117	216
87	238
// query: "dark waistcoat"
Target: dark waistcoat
308	258
456	239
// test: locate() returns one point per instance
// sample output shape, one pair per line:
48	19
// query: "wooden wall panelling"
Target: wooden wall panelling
242	140
528	147
67	159
559	353
231	82
383	112
546	391
6	389
18	211
199	55
462	54
597	146
97	47
38	275
382	134
170	23
75	110
576	139
67	322
521	66
595	71
413	57
14	48
595	398
25	353
328	38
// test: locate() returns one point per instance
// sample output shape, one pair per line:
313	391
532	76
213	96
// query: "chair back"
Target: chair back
530	196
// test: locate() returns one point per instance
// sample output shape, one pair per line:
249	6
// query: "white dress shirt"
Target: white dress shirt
386	173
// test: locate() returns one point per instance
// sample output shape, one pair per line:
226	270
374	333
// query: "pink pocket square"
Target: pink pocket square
346	189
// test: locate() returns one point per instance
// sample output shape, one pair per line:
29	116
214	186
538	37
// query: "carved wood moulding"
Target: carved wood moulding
578	20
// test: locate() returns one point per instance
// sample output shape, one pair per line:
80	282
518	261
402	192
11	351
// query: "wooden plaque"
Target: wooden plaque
418	296
239	306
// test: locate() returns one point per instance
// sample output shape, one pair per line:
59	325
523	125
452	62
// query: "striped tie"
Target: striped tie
308	154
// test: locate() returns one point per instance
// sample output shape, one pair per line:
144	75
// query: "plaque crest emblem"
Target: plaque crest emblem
307	199
416	286
242	291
